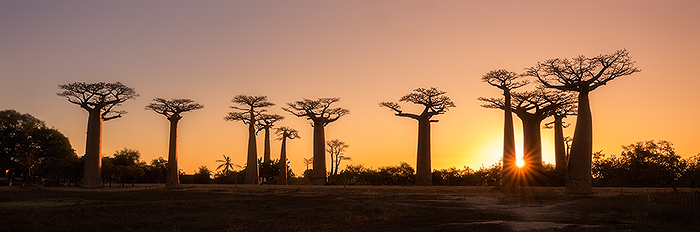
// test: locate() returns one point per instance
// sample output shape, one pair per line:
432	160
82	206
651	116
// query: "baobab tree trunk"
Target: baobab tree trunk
251	170
172	179
319	177
532	149
559	146
578	174
509	164
283	163
423	169
266	151
532	143
92	176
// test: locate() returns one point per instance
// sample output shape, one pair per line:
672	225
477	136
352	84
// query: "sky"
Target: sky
363	52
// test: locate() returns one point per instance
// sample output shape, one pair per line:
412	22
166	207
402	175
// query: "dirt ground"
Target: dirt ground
338	208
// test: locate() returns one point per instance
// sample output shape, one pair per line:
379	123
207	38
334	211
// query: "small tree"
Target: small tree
336	150
582	75
172	109
100	100
435	103
227	165
265	123
321	114
308	161
202	176
249	114
284	133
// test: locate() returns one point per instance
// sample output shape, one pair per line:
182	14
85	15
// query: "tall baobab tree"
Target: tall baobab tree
265	123
582	75
284	133
560	153
336	150
172	110
435	102
321	114
99	100
249	114
506	81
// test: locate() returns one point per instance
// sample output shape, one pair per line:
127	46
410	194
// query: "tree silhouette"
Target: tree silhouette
249	114
582	75
227	165
435	103
506	81
321	114
284	133
308	161
336	150
172	109
560	147
531	107
100	100
266	122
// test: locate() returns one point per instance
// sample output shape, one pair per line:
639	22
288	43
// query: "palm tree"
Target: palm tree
227	165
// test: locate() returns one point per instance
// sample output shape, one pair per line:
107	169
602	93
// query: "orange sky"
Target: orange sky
364	52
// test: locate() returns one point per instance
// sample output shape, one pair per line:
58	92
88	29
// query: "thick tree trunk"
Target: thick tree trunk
283	163
578	174
509	167
172	179
319	177
559	146
92	176
266	152
532	143
251	169
423	169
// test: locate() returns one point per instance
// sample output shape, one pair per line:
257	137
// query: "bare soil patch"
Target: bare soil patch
337	208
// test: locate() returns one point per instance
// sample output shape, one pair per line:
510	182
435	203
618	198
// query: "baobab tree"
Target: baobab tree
284	133
582	75
560	151
506	81
265	123
336	150
99	100
532	107
321	114
172	110
249	114
435	102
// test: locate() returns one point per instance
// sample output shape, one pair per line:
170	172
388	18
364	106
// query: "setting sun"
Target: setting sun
520	163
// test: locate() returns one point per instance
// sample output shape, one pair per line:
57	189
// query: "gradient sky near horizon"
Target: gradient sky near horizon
363	52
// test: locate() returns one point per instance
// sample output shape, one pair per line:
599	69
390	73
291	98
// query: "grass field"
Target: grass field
338	208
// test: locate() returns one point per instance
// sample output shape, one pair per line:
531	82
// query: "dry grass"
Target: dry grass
335	208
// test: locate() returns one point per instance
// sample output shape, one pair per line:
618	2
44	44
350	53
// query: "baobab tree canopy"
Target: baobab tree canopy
434	100
577	73
173	107
504	79
101	95
317	109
